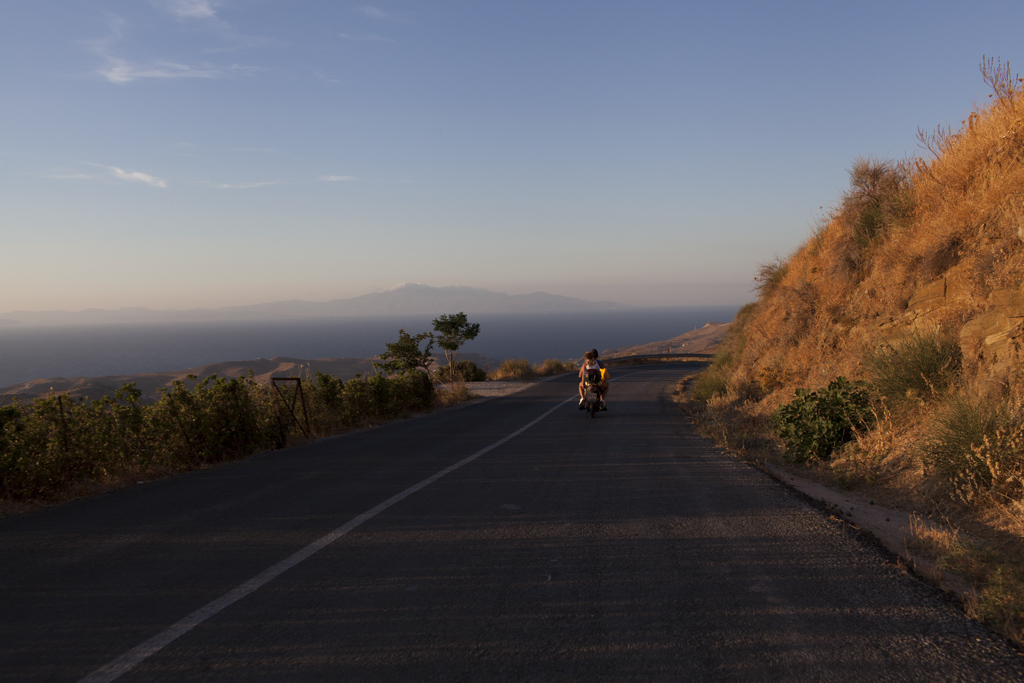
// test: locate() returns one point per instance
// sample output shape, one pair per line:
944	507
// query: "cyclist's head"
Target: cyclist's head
589	355
593	353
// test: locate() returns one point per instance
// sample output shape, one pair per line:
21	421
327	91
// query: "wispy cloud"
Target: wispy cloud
122	71
137	177
117	69
189	9
204	12
320	75
371	12
105	173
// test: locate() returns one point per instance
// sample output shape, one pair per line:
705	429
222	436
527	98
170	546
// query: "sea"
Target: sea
38	352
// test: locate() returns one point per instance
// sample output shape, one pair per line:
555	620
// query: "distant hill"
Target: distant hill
702	340
406	299
151	383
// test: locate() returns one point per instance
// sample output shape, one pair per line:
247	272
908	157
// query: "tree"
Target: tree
405	354
452	331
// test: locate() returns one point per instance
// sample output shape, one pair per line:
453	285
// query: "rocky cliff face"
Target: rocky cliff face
994	339
991	333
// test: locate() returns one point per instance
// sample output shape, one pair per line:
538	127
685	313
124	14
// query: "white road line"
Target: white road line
137	655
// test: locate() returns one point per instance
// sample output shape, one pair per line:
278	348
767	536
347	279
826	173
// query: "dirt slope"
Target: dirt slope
702	340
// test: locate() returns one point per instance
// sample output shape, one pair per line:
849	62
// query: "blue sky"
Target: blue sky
187	153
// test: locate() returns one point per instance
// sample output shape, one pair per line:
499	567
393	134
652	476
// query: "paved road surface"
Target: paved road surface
615	548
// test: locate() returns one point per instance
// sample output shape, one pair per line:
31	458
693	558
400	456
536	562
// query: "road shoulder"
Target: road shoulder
894	529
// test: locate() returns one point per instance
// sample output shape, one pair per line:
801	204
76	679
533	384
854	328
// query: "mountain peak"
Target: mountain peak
420	287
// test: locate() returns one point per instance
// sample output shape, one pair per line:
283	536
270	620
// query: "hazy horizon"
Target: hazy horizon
407	297
182	154
36	352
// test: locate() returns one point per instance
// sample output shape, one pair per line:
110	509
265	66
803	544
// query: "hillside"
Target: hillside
701	340
912	284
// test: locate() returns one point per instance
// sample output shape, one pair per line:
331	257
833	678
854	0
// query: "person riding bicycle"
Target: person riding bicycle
604	378
593	371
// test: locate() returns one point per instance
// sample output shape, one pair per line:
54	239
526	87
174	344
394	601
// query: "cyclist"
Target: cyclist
593	365
604	378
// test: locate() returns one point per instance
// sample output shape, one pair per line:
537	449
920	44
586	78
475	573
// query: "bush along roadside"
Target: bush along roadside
816	423
52	446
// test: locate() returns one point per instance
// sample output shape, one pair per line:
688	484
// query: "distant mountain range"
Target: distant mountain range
406	299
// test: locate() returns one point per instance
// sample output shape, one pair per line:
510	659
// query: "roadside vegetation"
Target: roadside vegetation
520	368
885	353
455	385
57	447
60	447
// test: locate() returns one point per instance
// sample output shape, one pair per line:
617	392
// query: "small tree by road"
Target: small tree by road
406	354
452	330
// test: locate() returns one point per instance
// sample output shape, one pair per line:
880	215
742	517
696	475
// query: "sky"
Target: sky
208	153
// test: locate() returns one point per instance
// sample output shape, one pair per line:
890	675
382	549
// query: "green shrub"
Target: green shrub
976	447
465	371
412	392
54	443
917	367
219	419
815	423
708	384
714	380
406	353
336	405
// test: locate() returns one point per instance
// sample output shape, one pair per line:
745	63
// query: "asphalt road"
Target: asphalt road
617	548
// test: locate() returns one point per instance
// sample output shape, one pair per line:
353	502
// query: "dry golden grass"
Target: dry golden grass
554	366
513	368
992	568
956	218
967	211
452	393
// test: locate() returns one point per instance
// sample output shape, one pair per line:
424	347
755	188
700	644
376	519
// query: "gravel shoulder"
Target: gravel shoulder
892	528
487	390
